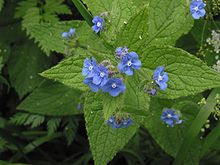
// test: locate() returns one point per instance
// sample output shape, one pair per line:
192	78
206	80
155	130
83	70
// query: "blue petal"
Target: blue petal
129	72
65	35
165	77
163	86
84	71
97	79
136	64
114	92
133	55
121	67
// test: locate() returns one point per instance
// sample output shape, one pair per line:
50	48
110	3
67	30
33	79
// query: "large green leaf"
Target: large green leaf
188	75
104	141
69	71
24	65
161	22
53	99
119	12
167	137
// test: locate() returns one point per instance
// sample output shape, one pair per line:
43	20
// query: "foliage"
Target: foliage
49	115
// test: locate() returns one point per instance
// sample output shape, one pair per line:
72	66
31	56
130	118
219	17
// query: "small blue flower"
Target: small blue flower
101	75
69	34
128	63
89	81
121	51
197	9
127	122
161	77
119	123
170	117
114	87
88	69
65	35
153	92
98	21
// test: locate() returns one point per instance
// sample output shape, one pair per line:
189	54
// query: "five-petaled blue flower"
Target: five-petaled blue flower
197	9
114	87
161	77
122	123
101	75
69	34
128	63
121	51
98	24
88	69
170	117
89	81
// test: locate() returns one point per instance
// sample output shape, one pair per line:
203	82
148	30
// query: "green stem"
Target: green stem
83	11
194	130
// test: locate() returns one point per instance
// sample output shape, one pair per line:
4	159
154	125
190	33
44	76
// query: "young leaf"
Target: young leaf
24	65
188	75
52	125
52	99
69	71
160	23
104	141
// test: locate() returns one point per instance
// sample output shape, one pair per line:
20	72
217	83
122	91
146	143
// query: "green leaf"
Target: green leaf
119	12
53	99
160	23
70	129
188	75
69	71
1	4
169	138
25	63
104	141
52	125
49	35
193	131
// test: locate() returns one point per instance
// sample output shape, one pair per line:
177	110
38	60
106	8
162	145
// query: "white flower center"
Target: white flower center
129	63
90	67
114	85
196	8
102	74
160	78
99	24
169	116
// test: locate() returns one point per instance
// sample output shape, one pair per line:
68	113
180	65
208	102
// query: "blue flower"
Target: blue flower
170	117
65	35
88	69
161	77
197	9
89	81
101	75
128	63
153	92
98	21
69	34
114	87
121	51
119	123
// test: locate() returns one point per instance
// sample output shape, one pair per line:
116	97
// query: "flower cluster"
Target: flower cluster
170	117
119	122
197	9
101	76
68	35
98	24
214	41
217	66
